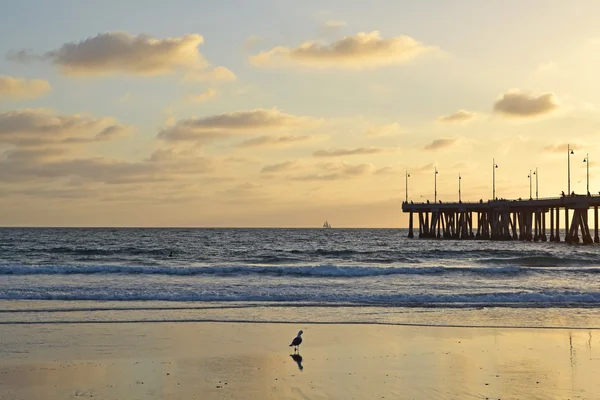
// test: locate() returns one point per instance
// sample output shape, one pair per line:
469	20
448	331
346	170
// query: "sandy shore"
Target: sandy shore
252	361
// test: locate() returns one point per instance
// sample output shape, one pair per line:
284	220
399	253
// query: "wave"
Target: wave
549	299
541	260
131	251
332	271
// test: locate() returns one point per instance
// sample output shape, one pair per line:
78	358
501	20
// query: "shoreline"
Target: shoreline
43	312
300	322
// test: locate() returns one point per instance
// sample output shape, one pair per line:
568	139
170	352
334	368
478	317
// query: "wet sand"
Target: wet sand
252	361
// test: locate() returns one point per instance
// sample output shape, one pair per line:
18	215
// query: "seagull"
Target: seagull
297	341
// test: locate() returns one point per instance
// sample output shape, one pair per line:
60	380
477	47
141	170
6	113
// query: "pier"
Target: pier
507	219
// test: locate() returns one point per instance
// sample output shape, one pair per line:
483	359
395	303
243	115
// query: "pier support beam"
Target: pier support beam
552	225
410	226
567	232
543	236
596	238
557	236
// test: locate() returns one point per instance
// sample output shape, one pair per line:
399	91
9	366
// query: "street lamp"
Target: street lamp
536	182
569	152
529	176
435	185
407	176
494	166
459	179
587	161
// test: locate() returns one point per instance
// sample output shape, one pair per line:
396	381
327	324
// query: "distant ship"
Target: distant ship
326	225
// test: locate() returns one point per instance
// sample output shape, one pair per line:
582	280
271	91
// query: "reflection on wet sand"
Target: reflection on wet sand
360	361
298	358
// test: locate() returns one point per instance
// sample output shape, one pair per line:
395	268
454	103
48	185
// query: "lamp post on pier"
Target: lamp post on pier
459	196
529	176
536	182
435	185
494	166
587	161
569	152
406	187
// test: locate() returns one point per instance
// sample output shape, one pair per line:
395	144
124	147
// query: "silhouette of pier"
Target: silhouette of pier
507	219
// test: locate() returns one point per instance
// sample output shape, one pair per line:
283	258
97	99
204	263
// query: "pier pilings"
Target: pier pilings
507	219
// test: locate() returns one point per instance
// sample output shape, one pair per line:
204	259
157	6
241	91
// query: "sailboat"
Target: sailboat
326	225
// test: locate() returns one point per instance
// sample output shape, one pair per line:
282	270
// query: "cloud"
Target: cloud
426	167
365	49
202	97
441	144
386	171
337	172
550	70
227	124
263	141
19	88
347	152
218	74
33	127
331	24
459	116
561	147
251	43
274	168
42	164
243	194
122	52
23	56
522	105
241	160
384	130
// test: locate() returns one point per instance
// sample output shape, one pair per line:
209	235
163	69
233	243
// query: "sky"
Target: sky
277	113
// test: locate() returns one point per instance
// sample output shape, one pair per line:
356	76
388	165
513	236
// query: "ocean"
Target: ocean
373	276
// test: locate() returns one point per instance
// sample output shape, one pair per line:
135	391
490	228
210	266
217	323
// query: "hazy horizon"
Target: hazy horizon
285	114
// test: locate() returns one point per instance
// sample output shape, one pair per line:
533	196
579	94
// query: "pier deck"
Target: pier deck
506	219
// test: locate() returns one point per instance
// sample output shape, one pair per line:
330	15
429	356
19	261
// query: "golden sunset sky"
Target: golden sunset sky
280	113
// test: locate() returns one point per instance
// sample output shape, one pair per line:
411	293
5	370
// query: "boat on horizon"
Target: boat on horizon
326	225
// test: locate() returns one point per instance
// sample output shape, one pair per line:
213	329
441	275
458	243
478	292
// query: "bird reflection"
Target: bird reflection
298	358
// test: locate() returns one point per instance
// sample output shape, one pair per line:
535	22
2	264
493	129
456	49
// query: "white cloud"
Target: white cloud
332	24
562	147
336	171
461	116
517	104
384	130
227	124
365	49
264	141
251	43
347	152
550	69
33	127
121	52
202	97
19	88
439	144
218	74
276	168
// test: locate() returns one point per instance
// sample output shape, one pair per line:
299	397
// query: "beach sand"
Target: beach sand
252	361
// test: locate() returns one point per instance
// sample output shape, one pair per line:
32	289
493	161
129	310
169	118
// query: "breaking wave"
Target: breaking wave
295	270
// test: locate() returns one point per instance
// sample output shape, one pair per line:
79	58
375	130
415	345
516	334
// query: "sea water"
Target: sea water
293	276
